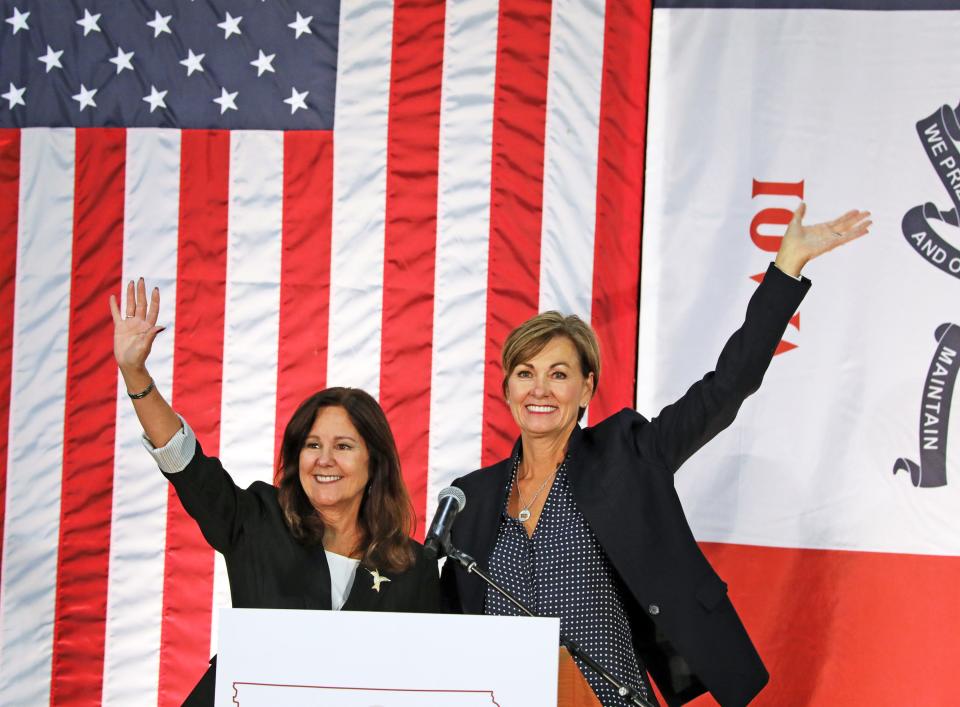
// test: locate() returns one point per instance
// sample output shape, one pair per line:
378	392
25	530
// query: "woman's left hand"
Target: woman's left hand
801	244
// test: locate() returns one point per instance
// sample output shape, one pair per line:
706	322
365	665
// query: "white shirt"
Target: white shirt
342	571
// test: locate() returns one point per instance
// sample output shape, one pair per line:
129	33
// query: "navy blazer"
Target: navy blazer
684	626
269	569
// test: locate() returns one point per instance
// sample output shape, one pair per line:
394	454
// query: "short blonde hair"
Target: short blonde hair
529	339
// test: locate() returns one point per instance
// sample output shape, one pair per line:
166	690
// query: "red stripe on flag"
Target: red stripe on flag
305	271
197	384
89	417
616	260
9	215
847	628
410	244
516	199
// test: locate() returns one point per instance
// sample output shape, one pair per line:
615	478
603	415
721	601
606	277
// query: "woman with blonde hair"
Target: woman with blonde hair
585	524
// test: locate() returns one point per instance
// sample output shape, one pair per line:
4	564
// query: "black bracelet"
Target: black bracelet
143	393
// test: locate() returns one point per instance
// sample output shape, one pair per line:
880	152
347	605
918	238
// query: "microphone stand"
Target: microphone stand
628	692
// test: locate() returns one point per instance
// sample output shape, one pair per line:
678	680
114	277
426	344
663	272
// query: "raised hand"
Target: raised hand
134	333
801	244
133	336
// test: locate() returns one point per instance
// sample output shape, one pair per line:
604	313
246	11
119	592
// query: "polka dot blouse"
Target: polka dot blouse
562	571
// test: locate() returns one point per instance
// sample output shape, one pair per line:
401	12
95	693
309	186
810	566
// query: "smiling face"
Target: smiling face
334	463
545	392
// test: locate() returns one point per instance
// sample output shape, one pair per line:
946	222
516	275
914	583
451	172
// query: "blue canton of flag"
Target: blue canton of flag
254	64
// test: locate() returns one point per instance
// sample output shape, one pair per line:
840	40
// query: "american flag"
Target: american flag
238	66
370	194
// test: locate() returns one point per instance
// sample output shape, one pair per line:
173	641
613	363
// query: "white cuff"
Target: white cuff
175	454
798	278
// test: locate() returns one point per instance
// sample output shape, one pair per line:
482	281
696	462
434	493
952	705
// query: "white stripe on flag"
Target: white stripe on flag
571	141
359	193
570	156
251	320
35	457
139	517
463	233
658	179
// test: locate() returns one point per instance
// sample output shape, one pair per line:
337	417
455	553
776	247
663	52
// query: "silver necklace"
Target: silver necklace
524	515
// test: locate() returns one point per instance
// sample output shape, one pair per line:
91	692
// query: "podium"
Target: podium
290	658
573	690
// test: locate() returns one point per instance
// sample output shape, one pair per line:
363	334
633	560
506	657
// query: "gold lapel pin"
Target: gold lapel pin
378	579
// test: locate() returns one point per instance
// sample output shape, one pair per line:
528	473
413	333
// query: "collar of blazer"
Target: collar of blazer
588	468
319	580
362	596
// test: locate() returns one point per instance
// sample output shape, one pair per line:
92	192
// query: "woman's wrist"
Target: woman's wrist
136	379
789	265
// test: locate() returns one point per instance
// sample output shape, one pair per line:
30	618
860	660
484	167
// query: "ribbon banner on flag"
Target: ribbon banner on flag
935	412
939	133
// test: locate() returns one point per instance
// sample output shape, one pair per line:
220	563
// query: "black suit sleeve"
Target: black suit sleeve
712	403
212	499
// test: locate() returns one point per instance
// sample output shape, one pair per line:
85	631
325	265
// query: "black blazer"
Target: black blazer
684	626
269	569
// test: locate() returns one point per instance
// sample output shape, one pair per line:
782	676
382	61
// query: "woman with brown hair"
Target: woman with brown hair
584	523
334	533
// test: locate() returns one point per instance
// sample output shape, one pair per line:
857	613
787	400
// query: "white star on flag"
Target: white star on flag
155	99
89	22
160	24
301	25
226	101
85	97
15	96
263	63
122	60
192	62
51	59
297	100
230	25
18	20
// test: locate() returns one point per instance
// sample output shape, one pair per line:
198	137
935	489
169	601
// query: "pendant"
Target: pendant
524	515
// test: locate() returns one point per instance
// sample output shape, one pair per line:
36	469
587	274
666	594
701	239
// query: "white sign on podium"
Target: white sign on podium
288	658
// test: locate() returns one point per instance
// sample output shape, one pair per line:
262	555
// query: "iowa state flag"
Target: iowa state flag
830	505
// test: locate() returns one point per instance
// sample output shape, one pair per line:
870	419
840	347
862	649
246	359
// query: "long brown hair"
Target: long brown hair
386	516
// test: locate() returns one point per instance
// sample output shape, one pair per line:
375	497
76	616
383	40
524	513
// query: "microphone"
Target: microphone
450	502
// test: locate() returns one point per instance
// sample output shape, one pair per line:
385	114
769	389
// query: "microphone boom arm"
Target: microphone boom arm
628	692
